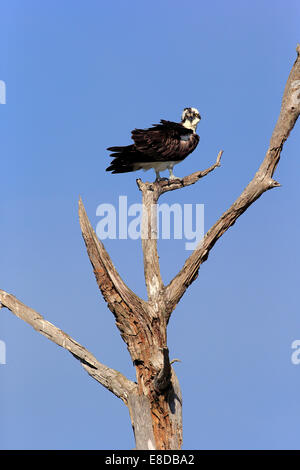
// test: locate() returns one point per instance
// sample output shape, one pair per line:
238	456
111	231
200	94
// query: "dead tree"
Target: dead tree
154	400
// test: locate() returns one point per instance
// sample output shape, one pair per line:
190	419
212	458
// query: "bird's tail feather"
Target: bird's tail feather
119	165
124	159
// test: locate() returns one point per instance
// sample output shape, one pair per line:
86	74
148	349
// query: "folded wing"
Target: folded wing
167	141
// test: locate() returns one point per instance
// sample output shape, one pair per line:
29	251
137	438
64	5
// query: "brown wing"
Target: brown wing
168	141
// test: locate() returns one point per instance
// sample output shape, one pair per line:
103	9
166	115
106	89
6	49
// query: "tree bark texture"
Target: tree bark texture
154	400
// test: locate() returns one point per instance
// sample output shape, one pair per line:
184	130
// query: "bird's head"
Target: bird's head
190	118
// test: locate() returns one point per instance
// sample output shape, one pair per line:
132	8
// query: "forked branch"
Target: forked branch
113	288
262	181
163	186
155	401
151	193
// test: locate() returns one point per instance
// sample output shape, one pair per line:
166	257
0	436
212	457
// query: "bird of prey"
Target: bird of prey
159	147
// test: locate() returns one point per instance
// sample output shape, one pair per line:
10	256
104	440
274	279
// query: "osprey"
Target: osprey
160	147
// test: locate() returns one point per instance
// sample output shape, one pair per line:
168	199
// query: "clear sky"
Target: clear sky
79	76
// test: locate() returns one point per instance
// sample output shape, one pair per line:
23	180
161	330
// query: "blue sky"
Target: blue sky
79	76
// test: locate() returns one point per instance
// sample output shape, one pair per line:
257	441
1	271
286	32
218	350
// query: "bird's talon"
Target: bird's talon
161	179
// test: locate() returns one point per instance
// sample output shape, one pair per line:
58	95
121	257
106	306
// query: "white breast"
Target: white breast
158	166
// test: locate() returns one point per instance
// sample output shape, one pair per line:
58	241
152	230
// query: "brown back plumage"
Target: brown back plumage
167	141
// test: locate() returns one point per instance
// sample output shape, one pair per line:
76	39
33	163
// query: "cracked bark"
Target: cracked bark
154	401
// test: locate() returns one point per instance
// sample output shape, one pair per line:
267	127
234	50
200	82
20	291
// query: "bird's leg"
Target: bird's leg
172	176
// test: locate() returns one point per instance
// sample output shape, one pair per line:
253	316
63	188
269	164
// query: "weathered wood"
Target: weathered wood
141	420
129	310
113	288
153	278
155	402
174	398
158	188
111	379
163	378
262	182
142	326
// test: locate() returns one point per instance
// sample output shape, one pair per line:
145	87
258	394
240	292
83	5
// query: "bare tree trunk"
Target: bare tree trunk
154	400
155	406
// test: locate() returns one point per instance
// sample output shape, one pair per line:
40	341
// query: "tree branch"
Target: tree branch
163	186
151	193
111	379
133	315
262	181
178	183
112	286
152	273
114	290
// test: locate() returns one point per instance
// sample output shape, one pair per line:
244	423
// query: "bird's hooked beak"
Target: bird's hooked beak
192	117
197	116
